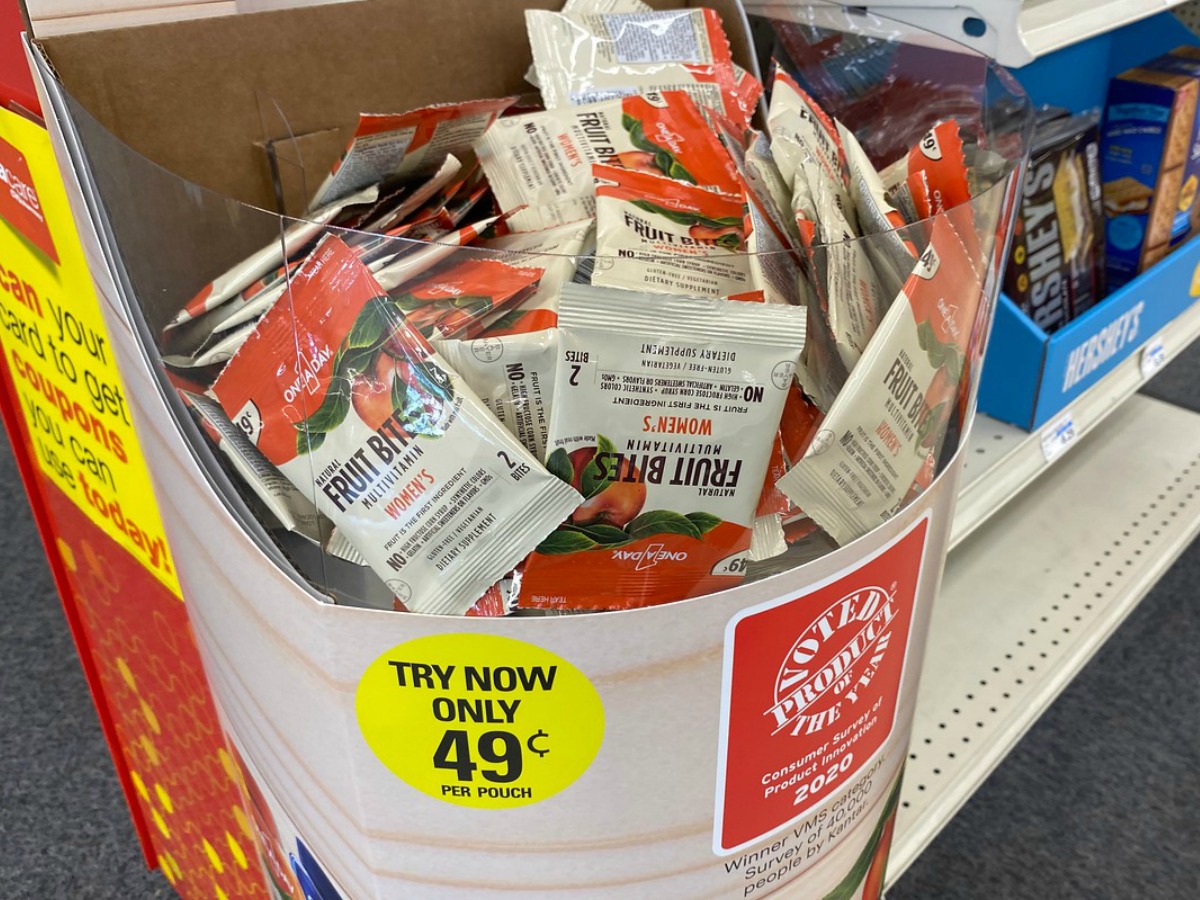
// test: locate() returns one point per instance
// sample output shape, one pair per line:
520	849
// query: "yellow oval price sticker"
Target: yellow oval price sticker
480	720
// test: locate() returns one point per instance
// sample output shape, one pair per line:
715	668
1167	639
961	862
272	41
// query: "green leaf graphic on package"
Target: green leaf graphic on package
611	513
378	372
947	358
727	232
870	867
941	354
649	156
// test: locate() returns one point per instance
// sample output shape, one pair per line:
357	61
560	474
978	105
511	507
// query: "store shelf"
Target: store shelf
1003	459
1047	25
1016	32
1035	591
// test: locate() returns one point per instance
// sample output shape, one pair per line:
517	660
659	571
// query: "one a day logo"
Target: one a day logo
811	687
650	556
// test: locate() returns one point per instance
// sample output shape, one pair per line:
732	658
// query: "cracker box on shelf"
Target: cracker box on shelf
723	746
1030	376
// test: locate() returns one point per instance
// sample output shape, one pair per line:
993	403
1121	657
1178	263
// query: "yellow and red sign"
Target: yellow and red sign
101	526
66	380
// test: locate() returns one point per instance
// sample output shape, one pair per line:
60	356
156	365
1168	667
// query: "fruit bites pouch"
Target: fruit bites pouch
355	408
892	414
667	237
664	418
543	160
582	58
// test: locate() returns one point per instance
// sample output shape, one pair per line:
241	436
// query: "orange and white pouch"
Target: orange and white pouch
891	250
587	57
932	177
393	147
856	300
893	410
403	202
748	93
436	218
823	370
775	274
767	183
238	318
219	348
269	259
797	427
667	237
802	132
414	258
460	297
544	160
402	261
287	503
511	364
388	441
513	376
558	252
494	602
665	410
575	7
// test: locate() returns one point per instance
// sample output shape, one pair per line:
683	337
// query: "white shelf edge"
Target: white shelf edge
1013	458
1017	32
1050	25
1020	569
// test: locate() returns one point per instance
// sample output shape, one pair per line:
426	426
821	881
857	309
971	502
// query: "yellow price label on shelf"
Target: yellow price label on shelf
480	720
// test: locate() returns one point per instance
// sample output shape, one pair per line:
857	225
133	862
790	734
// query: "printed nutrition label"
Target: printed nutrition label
677	413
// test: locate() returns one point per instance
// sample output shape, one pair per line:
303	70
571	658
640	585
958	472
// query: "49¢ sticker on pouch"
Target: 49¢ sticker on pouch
479	720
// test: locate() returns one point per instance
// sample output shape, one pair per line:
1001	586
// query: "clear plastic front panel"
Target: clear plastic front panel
654	331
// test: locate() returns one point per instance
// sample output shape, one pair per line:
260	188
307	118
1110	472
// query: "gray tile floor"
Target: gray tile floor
1101	801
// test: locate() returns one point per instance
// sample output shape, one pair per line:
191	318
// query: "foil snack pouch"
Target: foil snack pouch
458	298
387	147
893	256
572	7
360	413
893	411
270	258
290	506
855	301
543	160
583	58
667	237
803	133
932	178
664	416
557	252
513	376
511	364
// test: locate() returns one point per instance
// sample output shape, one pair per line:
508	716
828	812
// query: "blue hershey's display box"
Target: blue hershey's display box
1029	376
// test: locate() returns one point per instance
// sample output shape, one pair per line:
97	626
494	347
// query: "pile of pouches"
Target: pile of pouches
609	353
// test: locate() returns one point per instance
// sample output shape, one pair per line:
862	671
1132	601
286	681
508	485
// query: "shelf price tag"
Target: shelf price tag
1058	436
1154	357
480	720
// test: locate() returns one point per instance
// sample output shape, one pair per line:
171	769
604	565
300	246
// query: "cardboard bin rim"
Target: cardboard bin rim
170	93
795	575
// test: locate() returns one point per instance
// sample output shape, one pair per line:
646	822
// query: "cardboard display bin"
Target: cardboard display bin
725	746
